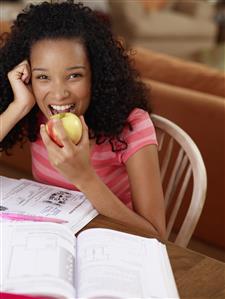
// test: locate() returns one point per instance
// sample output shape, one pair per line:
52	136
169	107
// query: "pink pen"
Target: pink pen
24	217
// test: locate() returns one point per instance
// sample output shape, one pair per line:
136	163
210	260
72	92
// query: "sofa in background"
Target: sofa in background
192	96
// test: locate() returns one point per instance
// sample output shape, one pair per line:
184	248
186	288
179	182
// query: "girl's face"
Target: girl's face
60	76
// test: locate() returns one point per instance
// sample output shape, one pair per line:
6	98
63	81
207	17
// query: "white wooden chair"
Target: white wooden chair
180	160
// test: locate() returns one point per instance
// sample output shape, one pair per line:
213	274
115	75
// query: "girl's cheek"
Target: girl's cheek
38	91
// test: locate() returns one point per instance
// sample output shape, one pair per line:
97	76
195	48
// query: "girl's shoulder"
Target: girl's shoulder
138	115
141	133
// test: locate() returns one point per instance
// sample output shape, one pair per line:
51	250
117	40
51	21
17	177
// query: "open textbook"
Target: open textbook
45	259
32	198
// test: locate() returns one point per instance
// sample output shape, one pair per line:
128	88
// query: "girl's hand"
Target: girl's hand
19	78
72	161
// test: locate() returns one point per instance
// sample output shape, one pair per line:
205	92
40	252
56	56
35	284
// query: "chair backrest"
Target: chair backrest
180	160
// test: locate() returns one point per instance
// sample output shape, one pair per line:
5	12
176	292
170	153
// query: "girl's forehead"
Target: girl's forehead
57	45
63	49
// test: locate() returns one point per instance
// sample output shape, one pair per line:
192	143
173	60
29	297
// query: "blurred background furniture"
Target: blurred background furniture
9	9
4	26
175	27
180	161
220	20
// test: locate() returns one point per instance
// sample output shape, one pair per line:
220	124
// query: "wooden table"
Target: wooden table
197	276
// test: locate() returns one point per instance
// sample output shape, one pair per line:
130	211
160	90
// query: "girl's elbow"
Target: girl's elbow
162	233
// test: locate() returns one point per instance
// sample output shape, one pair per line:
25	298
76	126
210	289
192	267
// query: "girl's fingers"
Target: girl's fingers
26	73
22	71
23	62
47	139
61	133
54	151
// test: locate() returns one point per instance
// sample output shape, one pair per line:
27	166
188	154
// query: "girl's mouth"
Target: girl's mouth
55	109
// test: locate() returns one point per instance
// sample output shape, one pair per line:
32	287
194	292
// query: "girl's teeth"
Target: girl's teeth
55	109
61	107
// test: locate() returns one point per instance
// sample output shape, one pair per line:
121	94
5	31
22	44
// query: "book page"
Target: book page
120	265
38	259
29	197
5	181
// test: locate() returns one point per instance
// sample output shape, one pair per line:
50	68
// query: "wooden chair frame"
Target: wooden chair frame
188	162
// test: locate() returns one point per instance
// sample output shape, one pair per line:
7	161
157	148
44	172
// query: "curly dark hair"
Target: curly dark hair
116	87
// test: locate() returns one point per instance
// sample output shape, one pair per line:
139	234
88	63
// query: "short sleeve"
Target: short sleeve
142	133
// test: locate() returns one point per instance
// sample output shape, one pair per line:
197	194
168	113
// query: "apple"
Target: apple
72	126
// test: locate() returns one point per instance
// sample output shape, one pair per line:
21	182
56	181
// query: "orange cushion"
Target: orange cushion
178	72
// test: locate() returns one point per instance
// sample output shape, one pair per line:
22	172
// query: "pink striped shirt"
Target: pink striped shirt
109	165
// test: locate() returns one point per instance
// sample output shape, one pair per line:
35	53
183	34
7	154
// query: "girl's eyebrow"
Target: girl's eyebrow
67	69
38	69
75	67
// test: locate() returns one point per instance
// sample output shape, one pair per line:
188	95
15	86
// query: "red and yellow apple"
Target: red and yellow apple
71	124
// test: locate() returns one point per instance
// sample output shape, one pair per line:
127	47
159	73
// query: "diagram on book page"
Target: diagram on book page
32	198
94	254
38	257
38	253
109	268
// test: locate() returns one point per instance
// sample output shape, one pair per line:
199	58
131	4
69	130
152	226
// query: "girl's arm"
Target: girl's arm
23	101
10	117
148	211
72	161
146	190
146	187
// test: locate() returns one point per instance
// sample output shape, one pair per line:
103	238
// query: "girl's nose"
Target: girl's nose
60	92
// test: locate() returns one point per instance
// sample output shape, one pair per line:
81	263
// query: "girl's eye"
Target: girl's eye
73	76
42	77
